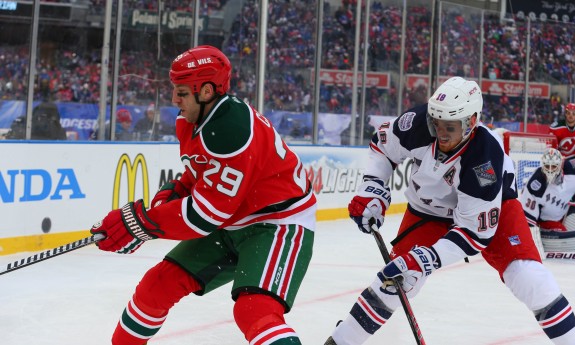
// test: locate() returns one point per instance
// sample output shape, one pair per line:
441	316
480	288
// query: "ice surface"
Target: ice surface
78	297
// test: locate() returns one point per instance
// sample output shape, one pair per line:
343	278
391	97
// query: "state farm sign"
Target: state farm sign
515	88
495	87
345	78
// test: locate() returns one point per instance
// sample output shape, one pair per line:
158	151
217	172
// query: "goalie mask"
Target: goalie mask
551	164
455	99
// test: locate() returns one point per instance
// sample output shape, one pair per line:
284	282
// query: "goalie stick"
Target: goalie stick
400	293
50	253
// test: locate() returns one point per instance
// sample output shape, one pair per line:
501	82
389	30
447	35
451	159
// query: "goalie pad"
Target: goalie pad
569	220
554	241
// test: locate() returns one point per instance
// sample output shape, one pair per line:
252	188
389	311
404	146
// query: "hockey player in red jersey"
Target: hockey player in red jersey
243	209
462	201
564	130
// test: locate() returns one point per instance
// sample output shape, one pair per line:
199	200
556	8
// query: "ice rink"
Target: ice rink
78	297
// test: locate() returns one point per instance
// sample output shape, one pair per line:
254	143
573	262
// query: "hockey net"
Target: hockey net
526	149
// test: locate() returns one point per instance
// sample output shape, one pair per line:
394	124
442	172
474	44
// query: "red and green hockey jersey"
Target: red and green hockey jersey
240	172
565	138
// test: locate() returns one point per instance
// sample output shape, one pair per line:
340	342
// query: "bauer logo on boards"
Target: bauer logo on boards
131	180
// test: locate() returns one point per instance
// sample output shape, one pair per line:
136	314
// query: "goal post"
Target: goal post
526	149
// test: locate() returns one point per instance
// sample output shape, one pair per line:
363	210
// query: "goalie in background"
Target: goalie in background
546	200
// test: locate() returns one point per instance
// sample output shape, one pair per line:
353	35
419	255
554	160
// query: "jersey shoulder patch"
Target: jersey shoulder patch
411	128
537	183
229	129
482	166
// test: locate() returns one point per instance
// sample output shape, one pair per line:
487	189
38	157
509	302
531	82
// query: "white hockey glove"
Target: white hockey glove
371	201
411	267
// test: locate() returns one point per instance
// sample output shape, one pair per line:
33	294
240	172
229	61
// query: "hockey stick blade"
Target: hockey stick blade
50	253
400	293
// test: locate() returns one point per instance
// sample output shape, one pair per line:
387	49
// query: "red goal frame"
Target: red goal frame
548	139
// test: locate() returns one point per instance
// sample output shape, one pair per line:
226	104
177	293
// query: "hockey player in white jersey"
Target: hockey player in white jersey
546	199
462	201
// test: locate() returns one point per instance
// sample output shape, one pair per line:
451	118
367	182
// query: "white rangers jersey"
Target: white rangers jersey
464	187
548	202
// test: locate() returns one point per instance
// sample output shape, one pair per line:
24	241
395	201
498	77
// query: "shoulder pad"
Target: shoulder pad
411	128
229	129
482	166
537	183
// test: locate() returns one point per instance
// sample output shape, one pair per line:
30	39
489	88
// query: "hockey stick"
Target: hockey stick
400	293
50	253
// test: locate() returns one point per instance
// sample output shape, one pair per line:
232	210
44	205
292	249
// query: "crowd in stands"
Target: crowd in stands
71	77
291	47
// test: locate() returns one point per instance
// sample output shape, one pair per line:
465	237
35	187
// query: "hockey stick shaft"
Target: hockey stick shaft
400	293
50	253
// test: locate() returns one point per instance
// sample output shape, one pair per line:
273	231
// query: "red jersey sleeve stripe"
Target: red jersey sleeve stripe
187	221
375	148
297	207
210	213
476	245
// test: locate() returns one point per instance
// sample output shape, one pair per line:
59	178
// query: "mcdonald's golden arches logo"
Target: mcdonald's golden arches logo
132	168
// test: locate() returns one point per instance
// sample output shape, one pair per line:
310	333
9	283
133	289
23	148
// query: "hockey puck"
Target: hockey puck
46	225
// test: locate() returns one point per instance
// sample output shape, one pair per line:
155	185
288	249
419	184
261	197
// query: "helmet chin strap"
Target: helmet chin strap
464	140
203	106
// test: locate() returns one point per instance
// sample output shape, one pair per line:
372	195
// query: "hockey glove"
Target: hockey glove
411	267
126	229
370	202
549	225
172	190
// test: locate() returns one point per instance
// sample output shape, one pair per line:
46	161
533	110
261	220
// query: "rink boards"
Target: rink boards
51	193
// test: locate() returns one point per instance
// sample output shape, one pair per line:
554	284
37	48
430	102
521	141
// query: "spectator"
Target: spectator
123	131
151	127
45	124
368	131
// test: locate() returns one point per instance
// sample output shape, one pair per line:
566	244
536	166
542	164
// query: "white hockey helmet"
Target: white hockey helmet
455	99
551	164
